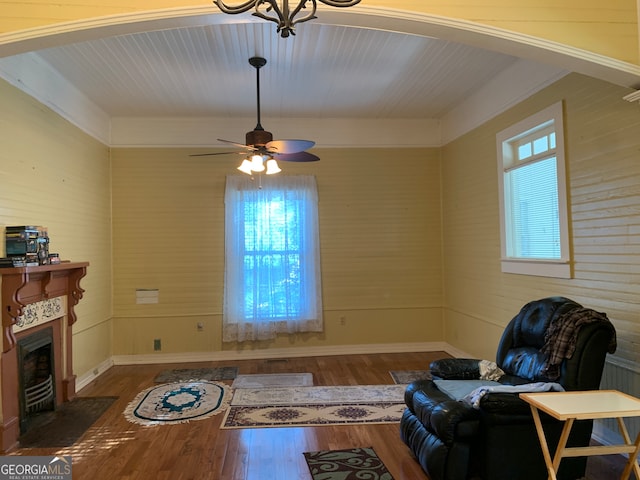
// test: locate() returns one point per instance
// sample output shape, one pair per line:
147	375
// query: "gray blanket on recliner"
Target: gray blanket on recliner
476	395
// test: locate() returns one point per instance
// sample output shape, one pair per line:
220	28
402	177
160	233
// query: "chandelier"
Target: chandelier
280	12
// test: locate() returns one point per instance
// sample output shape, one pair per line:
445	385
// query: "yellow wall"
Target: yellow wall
52	174
603	152
607	28
380	234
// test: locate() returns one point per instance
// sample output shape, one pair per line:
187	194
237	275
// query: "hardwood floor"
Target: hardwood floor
114	448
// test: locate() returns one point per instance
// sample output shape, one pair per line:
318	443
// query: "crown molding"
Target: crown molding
38	79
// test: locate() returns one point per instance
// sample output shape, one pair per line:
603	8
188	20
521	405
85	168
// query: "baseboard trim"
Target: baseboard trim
227	355
85	379
231	355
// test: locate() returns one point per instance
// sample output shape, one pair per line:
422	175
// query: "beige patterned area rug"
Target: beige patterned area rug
273	380
315	406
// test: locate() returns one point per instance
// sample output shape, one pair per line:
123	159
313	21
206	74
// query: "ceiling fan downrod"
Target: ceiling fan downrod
258	136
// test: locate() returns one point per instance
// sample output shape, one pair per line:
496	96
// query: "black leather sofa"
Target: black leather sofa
496	438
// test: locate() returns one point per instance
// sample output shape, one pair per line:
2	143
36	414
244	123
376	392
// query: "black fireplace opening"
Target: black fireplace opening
36	378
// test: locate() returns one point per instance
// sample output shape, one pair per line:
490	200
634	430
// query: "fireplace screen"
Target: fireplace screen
37	382
40	396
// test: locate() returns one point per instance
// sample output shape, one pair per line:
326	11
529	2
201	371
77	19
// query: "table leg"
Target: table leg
562	443
632	463
543	443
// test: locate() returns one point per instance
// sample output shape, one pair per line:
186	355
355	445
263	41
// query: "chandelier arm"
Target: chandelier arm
271	5
243	7
309	16
341	3
282	16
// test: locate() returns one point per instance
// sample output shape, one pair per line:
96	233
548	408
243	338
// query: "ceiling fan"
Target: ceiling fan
260	145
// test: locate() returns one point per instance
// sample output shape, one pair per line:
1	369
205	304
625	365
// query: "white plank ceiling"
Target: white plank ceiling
324	71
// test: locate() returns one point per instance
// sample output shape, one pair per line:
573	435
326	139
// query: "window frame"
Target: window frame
240	324
551	118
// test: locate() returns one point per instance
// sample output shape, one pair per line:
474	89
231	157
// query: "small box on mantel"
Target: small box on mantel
28	243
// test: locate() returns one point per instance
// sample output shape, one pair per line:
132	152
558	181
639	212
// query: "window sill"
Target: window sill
538	268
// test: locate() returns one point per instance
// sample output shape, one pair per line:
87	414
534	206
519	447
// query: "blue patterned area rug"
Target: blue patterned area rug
180	402
352	464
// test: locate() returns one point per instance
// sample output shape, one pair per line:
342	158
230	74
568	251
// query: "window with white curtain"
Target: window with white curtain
533	197
272	258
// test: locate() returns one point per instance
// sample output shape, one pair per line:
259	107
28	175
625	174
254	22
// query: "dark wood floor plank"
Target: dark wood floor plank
115	449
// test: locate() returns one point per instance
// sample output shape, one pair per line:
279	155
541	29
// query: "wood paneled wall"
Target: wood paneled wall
54	175
603	152
380	241
390	264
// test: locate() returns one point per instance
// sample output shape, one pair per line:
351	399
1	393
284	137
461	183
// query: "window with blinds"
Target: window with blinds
533	205
272	258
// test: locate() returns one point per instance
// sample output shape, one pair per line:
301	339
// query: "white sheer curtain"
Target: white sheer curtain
272	258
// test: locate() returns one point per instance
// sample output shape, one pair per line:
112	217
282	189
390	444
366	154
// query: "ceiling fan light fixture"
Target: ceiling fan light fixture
272	167
257	163
246	167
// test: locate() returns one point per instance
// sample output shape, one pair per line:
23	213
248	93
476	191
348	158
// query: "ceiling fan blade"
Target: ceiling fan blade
239	145
216	153
289	146
296	157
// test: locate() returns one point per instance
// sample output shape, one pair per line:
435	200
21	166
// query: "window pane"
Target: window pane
524	151
272	260
534	222
272	286
540	145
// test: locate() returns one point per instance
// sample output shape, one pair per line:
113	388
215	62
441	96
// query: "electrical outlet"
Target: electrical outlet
157	345
343	320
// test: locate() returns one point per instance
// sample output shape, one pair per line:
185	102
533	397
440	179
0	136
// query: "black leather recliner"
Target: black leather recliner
497	439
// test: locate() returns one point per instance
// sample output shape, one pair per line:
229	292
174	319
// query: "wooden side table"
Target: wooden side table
587	405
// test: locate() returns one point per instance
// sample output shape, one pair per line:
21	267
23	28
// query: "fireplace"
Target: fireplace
37	355
36	372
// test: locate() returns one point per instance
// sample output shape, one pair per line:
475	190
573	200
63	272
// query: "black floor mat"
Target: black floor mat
64	426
